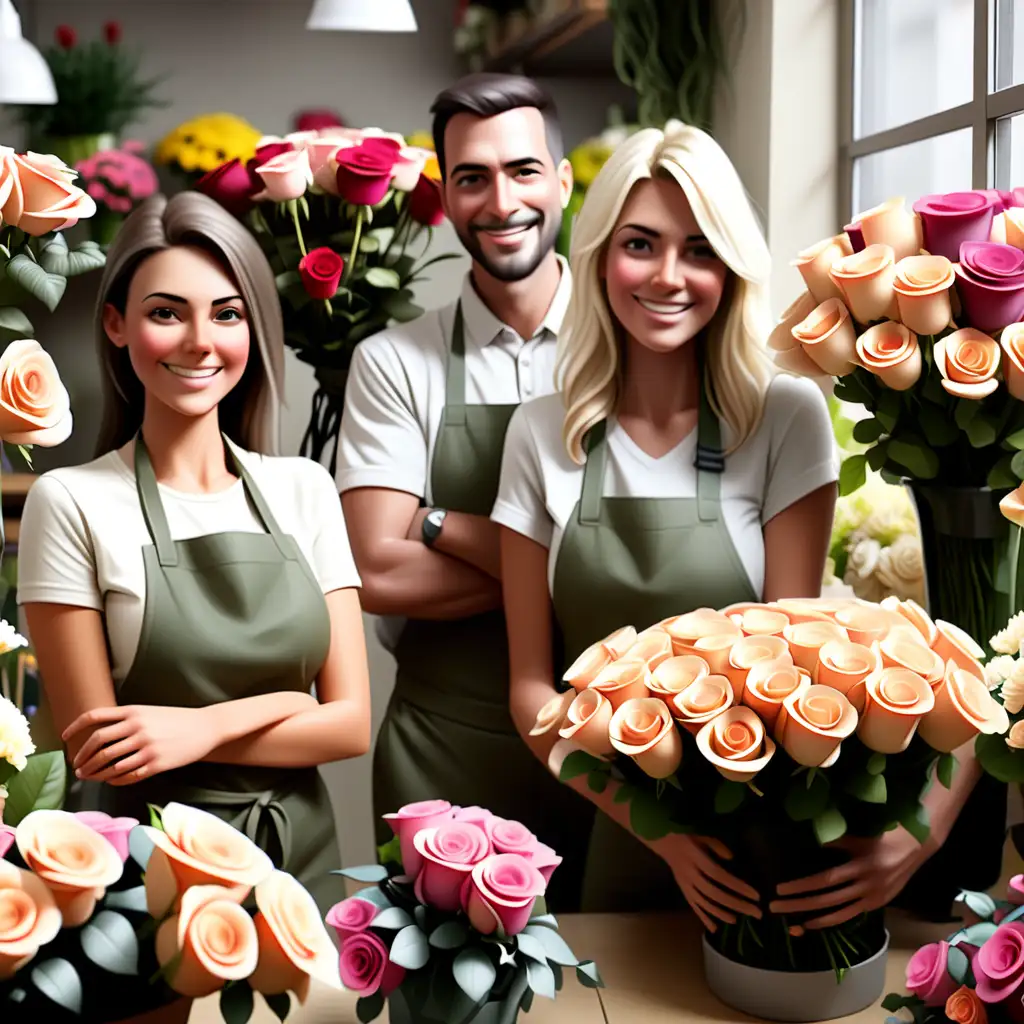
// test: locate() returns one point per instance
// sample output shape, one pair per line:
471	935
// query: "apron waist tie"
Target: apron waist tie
258	809
462	708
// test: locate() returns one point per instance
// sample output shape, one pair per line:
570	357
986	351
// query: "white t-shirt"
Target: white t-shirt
82	535
791	453
396	386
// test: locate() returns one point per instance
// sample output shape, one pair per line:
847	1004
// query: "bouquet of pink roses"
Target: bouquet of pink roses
118	179
463	927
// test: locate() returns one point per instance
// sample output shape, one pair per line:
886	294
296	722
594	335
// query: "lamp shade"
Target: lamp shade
362	16
24	74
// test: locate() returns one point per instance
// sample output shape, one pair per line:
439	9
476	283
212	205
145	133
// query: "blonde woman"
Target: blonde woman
675	471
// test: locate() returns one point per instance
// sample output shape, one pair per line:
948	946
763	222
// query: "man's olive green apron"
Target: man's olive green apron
636	561
448	733
227	616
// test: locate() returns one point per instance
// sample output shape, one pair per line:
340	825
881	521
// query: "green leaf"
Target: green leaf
392	919
802	802
876	764
420	913
648	818
390	852
364	873
597	780
140	846
915	822
109	941
867	431
957	964
876	456
127	899
14	325
922	462
1001	475
1017	465
966	410
410	949
554	945
852	474
474	973
546	920
939	430
945	769
450	935
383	277
1016	440
281	1005
155	818
729	796
1003	763
868	788
289	279
399	306
368	1008
829	826
532	947
977	934
59	982
541	979
40	787
236	1003
588	974
382	236
981	432
980	903
56	258
47	288
579	762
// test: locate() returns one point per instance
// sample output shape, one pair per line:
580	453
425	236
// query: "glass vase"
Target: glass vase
325	416
74	148
407	1008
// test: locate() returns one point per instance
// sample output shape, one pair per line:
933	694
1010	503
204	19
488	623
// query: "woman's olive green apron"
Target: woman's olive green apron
447	733
228	616
636	561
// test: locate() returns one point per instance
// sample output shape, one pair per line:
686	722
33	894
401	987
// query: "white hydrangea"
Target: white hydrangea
999	669
10	638
15	739
1008	639
1013	689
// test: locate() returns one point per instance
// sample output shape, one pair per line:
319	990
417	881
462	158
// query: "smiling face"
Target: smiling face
663	280
185	328
503	193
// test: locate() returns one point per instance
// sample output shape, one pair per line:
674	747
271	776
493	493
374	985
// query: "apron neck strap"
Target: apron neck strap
455	380
593	473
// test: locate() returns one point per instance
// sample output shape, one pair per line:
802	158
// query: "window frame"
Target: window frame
982	114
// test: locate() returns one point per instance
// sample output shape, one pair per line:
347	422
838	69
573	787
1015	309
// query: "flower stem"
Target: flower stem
1014	558
293	208
355	244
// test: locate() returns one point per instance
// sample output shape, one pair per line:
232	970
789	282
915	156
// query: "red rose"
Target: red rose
66	36
365	171
425	202
112	32
321	271
317	120
231	185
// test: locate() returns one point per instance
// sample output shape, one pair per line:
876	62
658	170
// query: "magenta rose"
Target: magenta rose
351	916
408	820
365	967
321	270
317	120
1015	890
365	171
990	283
951	219
855	235
6	839
449	852
999	965
425	202
114	830
501	892
927	977
232	185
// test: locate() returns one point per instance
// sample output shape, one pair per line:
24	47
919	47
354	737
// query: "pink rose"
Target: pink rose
990	283
513	837
449	852
407	821
36	194
351	916
317	120
114	830
365	171
948	220
999	965
501	891
927	977
232	185
285	176
6	839
1015	890
476	816
366	968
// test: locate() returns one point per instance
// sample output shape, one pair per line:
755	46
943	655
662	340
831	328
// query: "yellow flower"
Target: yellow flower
15	740
422	139
431	169
207	141
587	159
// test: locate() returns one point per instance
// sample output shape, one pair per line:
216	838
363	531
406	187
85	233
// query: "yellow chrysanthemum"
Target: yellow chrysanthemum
208	141
432	169
422	139
587	159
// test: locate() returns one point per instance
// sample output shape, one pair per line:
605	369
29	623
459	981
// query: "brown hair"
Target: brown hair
487	95
249	414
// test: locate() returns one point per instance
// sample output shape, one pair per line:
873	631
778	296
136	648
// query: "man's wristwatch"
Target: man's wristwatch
432	524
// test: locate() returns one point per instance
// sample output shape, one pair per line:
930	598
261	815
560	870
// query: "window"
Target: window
933	98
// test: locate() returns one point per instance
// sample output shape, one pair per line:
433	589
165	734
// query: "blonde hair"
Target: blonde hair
250	414
589	360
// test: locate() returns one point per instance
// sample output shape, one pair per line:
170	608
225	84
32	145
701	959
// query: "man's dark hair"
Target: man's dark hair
487	95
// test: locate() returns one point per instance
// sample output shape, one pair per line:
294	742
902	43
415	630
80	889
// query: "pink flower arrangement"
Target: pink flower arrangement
471	892
118	179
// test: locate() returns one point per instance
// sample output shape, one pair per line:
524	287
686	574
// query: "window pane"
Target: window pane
1009	51
941	164
1010	152
913	58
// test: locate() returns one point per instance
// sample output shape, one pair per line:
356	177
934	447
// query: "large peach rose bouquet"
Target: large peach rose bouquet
778	729
339	213
459	926
79	931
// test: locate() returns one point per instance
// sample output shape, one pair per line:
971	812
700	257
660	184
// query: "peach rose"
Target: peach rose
747	652
212	939
622	680
736	744
827	336
806	609
845	666
690	627
815	264
1011	341
285	176
760	620
674	675
620	641
587	723
968	361
769	683
891	352
1008	228
294	946
643	729
715	650
582	672
953	644
964	1006
915	615
781	339
865	280
903	648
1012	506
29	917
705	698
1014	740
865	623
892	224
963	708
38	196
552	715
922	287
75	862
197	848
896	701
34	405
805	639
813	723
652	646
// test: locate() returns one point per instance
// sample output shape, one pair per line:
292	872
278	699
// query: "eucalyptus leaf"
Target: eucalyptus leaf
802	802
47	288
58	980
56	258
868	788
280	1004
877	455
588	975
945	769
980	903
14	325
368	1008
393	918
399	306
474	972
597	780
547	920
1017	465
966	410
127	899
729	795
939	430
420	913
383	277
981	432
957	964
1001	475
40	786
541	979
531	946
555	946
922	462
140	847
829	826
410	949
1016	440
236	1002
852	474
867	431
364	873
579	762
450	935
915	822
978	934
109	941
876	764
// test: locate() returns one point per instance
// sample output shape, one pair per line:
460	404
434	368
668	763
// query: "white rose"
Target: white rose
863	558
1013	690
1007	640
999	669
15	740
900	566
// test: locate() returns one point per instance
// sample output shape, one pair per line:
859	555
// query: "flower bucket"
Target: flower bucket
794	995
403	1011
73	148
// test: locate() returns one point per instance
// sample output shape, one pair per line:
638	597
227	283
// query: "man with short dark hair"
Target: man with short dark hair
426	410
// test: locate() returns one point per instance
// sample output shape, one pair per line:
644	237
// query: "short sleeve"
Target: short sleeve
333	564
56	559
382	444
521	504
802	455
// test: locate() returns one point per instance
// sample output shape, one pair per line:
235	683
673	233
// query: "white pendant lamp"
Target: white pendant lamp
24	74
362	16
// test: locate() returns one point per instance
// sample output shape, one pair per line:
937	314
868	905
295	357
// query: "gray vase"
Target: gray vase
401	1012
795	995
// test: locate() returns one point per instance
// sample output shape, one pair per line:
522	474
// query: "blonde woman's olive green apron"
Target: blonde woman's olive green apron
227	616
447	733
636	561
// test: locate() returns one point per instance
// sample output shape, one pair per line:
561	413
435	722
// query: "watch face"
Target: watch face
436	518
